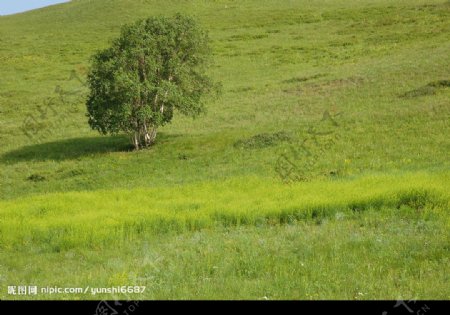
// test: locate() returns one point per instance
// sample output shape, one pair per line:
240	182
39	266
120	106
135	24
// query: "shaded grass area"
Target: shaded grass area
63	221
67	149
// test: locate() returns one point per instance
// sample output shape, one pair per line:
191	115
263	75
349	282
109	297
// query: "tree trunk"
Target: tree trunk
136	140
147	138
144	137
153	134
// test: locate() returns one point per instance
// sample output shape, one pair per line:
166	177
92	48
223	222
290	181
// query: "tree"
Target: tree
156	66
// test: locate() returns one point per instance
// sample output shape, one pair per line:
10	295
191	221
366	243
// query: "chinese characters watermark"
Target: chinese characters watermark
297	162
52	115
416	309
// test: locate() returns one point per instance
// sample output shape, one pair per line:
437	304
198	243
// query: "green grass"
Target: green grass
297	241
369	219
357	57
64	221
375	254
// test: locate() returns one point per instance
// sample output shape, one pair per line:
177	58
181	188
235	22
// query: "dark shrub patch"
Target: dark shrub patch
263	140
36	178
415	199
241	37
182	156
303	79
429	89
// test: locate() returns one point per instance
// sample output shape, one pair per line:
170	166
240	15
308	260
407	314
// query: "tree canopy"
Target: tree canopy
156	66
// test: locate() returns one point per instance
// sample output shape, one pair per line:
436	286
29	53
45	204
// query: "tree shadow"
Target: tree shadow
68	149
74	148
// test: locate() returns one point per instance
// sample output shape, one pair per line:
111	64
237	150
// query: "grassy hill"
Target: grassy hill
321	172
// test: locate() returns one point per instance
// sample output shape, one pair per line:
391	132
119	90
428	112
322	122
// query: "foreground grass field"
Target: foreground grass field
375	254
372	237
321	172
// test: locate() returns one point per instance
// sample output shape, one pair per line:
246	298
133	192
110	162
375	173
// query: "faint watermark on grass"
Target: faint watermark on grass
52	114
441	112
298	160
122	303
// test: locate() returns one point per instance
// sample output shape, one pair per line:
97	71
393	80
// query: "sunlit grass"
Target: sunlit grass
74	219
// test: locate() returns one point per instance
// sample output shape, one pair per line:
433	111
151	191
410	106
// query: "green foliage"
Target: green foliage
156	66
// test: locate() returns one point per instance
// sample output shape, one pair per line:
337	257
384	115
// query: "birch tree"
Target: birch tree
156	67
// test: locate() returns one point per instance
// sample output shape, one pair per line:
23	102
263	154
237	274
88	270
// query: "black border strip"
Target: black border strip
386	307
